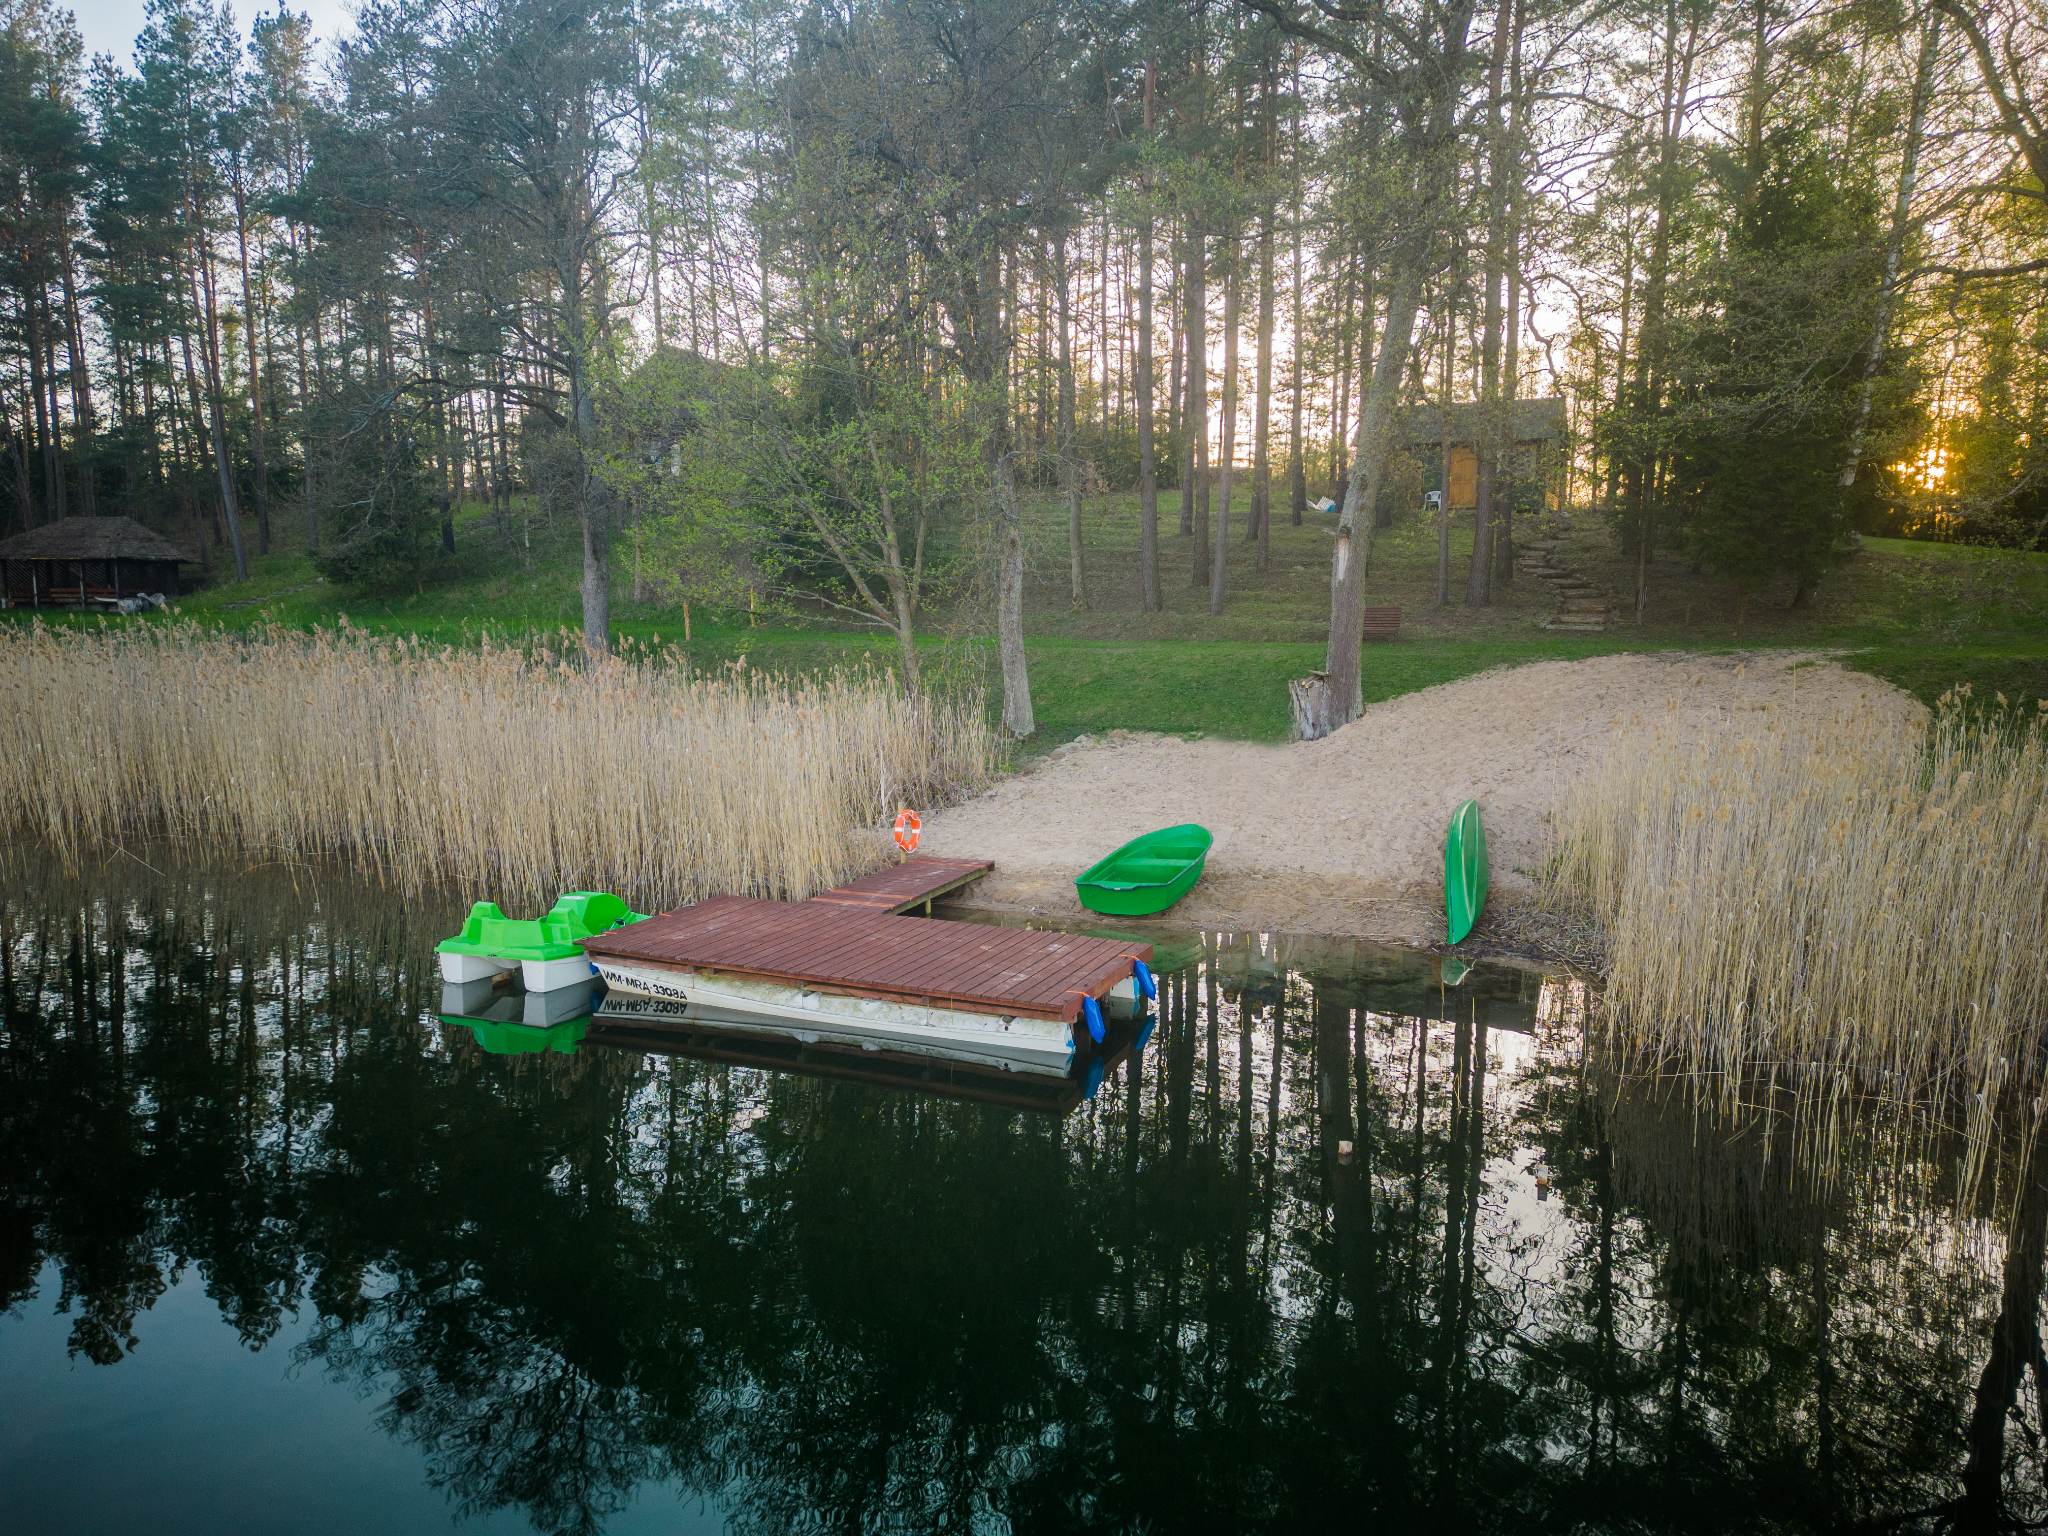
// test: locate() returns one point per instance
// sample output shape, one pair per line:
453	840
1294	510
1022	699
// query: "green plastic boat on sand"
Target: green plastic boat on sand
1148	874
1464	870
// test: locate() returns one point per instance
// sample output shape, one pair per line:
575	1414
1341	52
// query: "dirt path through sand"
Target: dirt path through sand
1344	835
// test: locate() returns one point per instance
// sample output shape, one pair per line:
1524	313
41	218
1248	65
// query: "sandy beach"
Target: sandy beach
1343	836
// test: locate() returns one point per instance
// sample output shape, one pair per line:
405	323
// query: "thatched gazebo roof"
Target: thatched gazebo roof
92	538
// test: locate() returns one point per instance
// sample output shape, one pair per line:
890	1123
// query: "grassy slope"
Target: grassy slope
1924	616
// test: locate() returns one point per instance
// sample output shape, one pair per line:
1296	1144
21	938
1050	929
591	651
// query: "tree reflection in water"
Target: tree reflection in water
1338	1244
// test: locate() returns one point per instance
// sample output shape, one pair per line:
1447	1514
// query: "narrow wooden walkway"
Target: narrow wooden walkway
914	883
846	949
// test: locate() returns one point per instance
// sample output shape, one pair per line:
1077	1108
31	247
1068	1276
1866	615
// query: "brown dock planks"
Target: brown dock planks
899	887
857	950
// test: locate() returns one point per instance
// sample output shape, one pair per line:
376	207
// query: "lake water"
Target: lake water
1339	1246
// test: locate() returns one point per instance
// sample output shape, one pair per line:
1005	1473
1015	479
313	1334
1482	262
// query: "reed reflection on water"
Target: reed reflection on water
1338	1243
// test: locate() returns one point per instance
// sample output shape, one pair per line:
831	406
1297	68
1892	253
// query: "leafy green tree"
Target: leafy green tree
531	98
936	99
695	536
1771	372
376	462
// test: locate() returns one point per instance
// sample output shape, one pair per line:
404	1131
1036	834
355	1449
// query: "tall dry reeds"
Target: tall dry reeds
1838	905
516	773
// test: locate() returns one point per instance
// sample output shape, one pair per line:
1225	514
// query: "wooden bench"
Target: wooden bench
1382	623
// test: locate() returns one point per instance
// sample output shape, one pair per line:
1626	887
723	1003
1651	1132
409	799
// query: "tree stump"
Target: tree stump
1310	703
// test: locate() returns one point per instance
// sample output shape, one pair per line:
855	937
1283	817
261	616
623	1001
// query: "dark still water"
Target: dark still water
1338	1248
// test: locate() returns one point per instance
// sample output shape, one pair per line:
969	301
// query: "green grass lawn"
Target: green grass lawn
1924	616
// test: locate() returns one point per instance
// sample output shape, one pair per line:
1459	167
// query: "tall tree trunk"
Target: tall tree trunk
1337	697
1112	375
1621	359
1504	463
1368	311
309	502
1486	417
1194	496
1262	379
259	471
1176	372
216	410
1148	463
1297	467
50	328
1343	680
986	355
84	430
1452	279
593	511
1894	245
1070	469
643	64
1340	387
1638	472
41	395
18	471
1233	302
1511	353
1262	407
208	412
1184	331
1504	490
1018	718
1042	428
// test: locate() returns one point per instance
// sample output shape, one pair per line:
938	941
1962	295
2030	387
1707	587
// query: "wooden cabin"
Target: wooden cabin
87	562
1535	456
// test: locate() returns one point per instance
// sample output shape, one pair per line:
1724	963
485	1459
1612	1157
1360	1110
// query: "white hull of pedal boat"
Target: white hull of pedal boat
550	975
459	970
534	975
486	1002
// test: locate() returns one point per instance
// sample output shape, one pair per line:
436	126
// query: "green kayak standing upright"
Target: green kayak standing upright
1464	870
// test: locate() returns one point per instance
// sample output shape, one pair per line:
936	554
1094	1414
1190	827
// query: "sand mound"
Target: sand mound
1344	835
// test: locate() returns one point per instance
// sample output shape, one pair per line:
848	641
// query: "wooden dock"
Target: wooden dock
861	951
913	883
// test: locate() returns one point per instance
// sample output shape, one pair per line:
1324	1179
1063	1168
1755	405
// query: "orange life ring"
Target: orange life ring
908	826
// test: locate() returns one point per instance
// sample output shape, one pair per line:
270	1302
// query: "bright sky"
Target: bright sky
109	26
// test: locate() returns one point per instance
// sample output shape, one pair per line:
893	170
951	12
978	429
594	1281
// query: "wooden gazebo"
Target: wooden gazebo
79	562
1533	439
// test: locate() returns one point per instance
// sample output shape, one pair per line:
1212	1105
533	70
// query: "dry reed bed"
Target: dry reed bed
1832	905
517	772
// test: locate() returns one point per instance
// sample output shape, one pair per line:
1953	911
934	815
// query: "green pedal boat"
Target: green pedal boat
1148	874
1464	870
547	951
